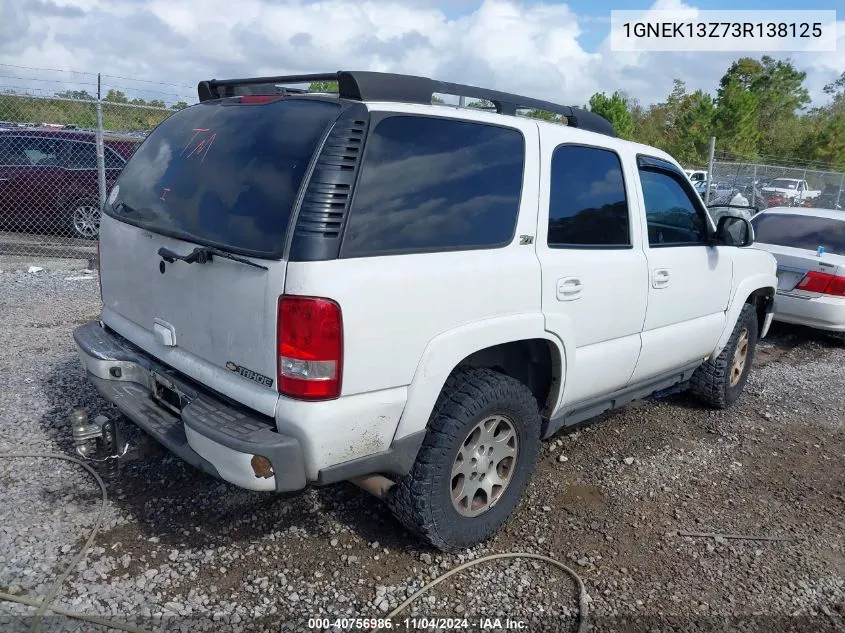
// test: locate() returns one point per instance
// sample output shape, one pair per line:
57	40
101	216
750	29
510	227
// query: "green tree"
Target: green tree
157	103
179	105
323	86
482	104
136	101
836	89
737	120
116	96
779	89
615	109
687	124
544	115
81	95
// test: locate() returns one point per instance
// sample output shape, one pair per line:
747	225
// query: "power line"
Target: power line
148	81
79	83
52	70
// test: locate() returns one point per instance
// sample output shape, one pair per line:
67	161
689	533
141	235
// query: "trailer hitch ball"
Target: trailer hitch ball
85	433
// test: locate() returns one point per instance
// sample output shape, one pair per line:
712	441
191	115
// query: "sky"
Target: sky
560	51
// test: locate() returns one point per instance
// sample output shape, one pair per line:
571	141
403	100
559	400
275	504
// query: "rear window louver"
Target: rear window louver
329	193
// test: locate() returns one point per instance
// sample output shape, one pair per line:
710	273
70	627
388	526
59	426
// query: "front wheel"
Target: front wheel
720	381
479	452
85	219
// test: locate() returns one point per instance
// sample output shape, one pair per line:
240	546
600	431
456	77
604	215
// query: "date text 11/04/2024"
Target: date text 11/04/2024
417	624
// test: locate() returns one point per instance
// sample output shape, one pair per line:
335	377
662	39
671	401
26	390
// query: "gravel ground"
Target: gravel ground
182	551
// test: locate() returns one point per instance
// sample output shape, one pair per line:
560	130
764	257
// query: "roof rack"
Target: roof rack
376	86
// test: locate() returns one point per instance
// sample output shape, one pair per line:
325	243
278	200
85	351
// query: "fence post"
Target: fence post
101	157
841	185
712	152
754	186
803	193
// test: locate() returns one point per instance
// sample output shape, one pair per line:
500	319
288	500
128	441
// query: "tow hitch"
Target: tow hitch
101	440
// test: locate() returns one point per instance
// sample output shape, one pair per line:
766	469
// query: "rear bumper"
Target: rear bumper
210	434
824	313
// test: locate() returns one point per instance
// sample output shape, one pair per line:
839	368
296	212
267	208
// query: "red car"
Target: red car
48	179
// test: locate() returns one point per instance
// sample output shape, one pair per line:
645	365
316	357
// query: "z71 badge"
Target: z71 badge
249	374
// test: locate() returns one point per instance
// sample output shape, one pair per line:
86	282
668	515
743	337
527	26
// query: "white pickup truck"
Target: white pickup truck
794	190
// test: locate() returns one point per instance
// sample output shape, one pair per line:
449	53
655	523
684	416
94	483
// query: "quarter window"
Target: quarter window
432	184
587	204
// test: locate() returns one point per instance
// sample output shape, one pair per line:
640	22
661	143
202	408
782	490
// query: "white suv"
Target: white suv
303	289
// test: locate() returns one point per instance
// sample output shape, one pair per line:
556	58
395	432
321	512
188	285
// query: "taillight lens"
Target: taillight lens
823	283
310	340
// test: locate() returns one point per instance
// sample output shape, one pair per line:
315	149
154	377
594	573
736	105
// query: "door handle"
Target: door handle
660	278
569	288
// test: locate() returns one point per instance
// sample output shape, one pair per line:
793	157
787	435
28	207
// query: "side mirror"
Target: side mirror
733	230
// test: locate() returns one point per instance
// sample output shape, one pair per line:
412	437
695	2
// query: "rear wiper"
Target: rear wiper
204	254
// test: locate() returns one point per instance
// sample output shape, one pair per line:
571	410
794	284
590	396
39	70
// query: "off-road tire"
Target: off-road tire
422	499
711	382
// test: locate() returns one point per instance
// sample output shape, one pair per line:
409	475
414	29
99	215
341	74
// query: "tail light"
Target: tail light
310	340
823	283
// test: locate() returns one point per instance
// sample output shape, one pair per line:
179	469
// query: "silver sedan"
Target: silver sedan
809	245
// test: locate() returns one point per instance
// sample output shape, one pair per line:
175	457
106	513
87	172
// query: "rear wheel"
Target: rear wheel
477	458
85	219
720	381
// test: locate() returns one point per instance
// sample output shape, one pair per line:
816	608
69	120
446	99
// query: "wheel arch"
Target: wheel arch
758	291
516	346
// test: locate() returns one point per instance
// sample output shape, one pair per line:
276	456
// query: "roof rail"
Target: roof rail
377	86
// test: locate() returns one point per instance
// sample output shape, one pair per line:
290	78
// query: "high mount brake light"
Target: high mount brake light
259	98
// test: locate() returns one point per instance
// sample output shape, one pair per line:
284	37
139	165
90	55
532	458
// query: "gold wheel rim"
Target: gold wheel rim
740	358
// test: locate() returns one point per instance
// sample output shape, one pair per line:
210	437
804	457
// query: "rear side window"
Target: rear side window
800	231
587	204
224	173
430	184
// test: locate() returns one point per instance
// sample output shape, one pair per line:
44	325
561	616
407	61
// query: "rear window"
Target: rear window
800	231
223	173
430	184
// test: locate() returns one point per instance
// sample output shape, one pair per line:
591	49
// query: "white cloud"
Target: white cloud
526	47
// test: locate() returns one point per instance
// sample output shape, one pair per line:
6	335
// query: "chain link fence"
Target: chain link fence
773	185
58	158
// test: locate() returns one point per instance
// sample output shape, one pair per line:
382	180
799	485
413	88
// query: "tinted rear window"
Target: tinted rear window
224	173
430	184
588	205
800	231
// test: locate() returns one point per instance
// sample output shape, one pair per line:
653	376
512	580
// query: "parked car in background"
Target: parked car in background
48	179
831	198
696	175
718	190
809	245
792	190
